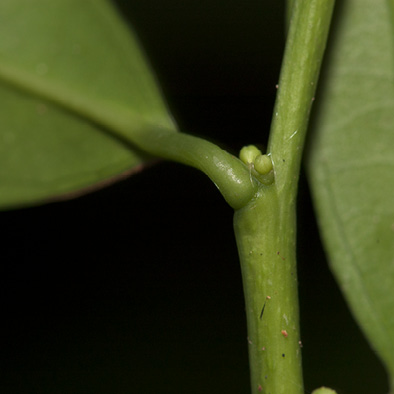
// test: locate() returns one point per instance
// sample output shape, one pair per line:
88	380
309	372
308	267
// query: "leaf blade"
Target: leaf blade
49	164
350	167
79	60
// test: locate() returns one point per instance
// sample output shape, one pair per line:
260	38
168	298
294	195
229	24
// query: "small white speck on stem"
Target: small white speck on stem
293	134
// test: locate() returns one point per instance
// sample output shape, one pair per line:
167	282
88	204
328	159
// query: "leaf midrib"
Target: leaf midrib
116	119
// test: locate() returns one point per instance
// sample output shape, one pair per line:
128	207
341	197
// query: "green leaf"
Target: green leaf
351	167
74	88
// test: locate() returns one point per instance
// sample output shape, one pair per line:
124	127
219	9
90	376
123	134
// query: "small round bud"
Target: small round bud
249	153
263	164
324	390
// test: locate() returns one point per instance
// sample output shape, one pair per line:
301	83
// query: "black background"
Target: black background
137	288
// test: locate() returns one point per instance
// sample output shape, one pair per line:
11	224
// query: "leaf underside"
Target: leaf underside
351	166
60	62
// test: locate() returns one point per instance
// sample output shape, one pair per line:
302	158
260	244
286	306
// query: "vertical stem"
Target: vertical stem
306	42
266	244
265	228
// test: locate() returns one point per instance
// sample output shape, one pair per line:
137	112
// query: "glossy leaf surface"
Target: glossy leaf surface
71	76
351	166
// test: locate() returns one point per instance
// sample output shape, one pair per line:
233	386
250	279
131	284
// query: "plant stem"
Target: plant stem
232	177
297	85
266	227
266	245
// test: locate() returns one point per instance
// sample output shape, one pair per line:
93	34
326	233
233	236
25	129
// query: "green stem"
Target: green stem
266	245
232	177
266	227
289	10
297	85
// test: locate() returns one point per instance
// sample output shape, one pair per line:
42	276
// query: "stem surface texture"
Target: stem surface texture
265	228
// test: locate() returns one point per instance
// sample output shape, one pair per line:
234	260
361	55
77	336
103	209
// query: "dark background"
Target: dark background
137	288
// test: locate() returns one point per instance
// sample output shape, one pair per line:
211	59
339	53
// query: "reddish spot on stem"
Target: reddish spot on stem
284	333
260	388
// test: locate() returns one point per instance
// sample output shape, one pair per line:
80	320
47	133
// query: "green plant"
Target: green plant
64	87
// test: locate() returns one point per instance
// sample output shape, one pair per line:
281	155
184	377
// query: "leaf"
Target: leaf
74	86
351	167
